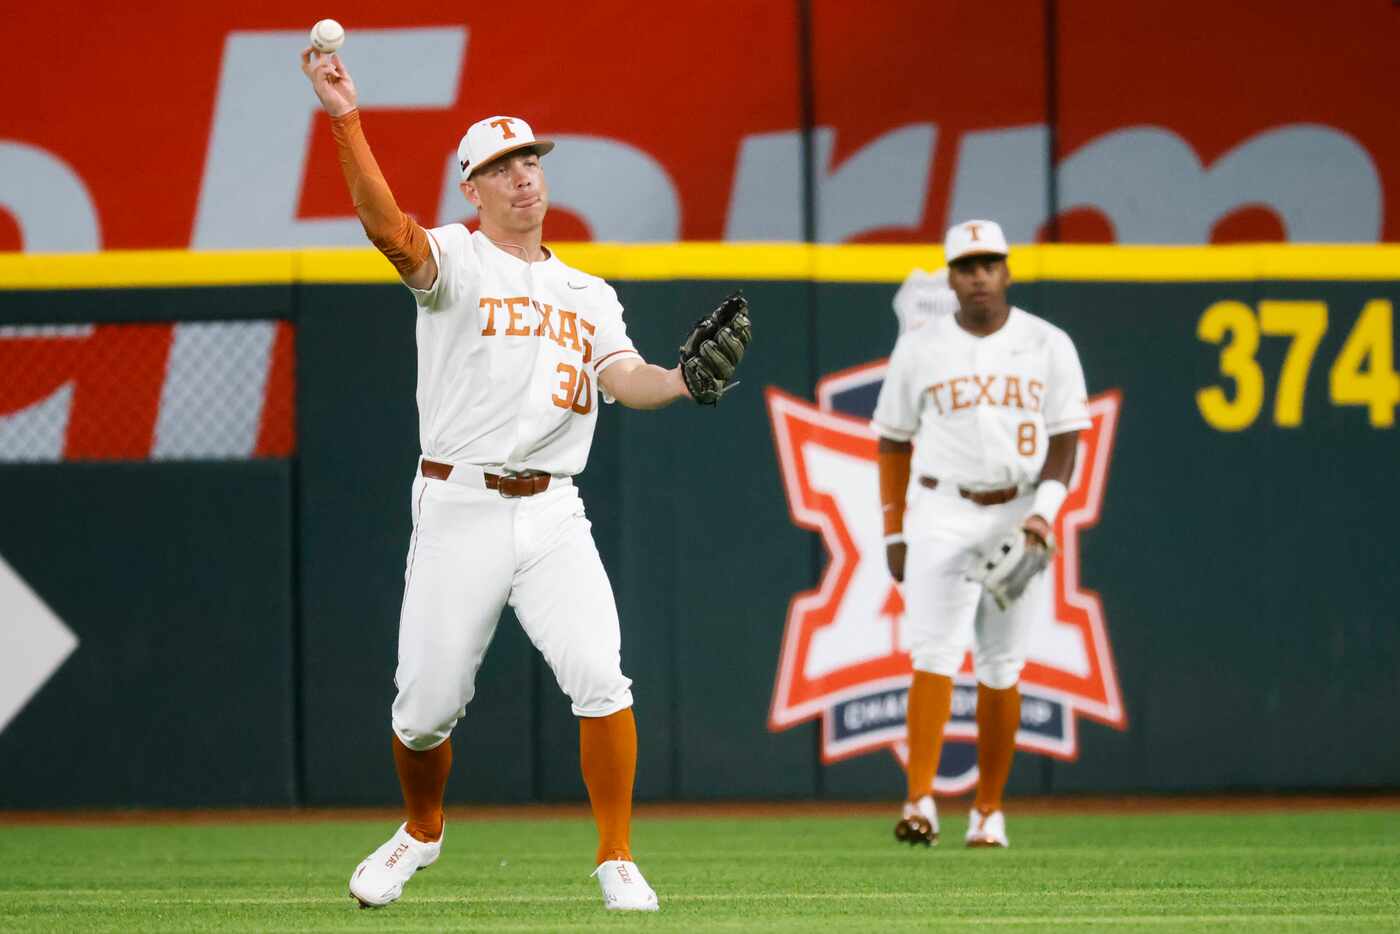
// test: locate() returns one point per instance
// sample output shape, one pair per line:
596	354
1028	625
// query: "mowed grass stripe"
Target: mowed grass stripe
160	896
1337	870
1118	923
170	892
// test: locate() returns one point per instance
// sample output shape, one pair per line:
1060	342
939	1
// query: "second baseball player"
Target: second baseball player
978	421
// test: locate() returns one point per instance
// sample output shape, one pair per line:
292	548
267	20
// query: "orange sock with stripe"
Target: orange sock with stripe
998	718
930	704
423	778
607	751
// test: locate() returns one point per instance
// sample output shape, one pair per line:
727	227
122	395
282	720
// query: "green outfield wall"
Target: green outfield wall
235	613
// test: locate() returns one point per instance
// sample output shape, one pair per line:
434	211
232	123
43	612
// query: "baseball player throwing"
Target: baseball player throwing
515	349
978	422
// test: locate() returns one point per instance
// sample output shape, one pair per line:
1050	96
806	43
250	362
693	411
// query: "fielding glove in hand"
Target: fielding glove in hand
713	349
1007	569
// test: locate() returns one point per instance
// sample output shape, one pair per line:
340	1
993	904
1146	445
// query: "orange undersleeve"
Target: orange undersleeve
894	485
393	232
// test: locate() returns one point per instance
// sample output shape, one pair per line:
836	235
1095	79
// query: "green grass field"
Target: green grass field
1337	870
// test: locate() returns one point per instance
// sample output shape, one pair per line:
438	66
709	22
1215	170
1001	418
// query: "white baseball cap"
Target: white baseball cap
494	137
974	238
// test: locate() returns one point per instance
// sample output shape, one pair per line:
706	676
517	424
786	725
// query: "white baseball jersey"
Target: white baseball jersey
509	355
922	297
980	410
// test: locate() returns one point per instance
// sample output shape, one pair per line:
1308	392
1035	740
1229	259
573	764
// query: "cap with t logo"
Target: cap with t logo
974	238
489	139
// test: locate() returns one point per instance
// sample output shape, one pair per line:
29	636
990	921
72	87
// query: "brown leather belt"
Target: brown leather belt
981	497
522	484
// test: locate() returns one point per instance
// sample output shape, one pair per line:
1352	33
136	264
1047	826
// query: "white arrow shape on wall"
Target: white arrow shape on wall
34	642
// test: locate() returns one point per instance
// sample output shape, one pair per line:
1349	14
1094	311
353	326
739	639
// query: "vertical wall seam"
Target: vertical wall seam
807	107
1052	207
806	102
1052	120
298	634
537	758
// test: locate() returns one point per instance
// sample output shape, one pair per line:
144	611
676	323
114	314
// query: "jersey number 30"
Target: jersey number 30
575	389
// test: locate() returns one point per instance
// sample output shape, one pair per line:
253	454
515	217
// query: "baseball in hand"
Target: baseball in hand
327	36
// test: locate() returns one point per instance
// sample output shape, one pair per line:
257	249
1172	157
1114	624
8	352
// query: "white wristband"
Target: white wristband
1049	497
894	538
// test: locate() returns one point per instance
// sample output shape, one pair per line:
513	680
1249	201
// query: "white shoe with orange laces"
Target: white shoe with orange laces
623	887
380	879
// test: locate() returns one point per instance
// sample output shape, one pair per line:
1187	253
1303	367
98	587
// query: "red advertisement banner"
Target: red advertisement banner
165	125
198	390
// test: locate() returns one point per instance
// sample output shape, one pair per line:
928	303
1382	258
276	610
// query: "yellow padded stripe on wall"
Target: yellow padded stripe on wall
736	261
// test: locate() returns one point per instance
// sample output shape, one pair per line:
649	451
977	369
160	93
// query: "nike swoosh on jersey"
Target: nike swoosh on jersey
572	286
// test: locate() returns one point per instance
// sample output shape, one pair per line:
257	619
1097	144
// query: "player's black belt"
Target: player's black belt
981	497
521	484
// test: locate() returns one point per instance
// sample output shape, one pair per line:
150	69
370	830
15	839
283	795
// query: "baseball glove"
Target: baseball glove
1007	569
713	349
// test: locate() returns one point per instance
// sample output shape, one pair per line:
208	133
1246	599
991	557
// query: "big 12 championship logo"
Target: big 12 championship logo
845	657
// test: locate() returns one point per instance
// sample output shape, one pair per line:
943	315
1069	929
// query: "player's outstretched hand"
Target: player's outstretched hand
330	80
894	557
713	349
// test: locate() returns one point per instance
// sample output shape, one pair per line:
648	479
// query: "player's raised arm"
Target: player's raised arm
393	232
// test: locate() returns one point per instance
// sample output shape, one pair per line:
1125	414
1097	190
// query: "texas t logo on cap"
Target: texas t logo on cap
974	238
489	139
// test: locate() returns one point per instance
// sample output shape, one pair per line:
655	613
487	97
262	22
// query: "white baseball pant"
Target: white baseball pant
946	613
472	552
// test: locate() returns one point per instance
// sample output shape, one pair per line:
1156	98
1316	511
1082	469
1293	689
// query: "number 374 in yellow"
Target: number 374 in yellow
1363	373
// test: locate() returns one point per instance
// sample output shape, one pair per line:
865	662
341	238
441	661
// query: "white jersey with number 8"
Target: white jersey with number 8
509	355
980	410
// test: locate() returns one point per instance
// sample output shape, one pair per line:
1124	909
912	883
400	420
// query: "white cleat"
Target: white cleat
623	887
986	830
919	825
380	879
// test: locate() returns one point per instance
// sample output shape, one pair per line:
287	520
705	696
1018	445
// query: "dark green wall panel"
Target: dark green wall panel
1251	620
176	579
226	610
86	306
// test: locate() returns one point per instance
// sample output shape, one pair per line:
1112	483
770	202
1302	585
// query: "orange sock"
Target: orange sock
423	778
930	703
998	717
607	750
